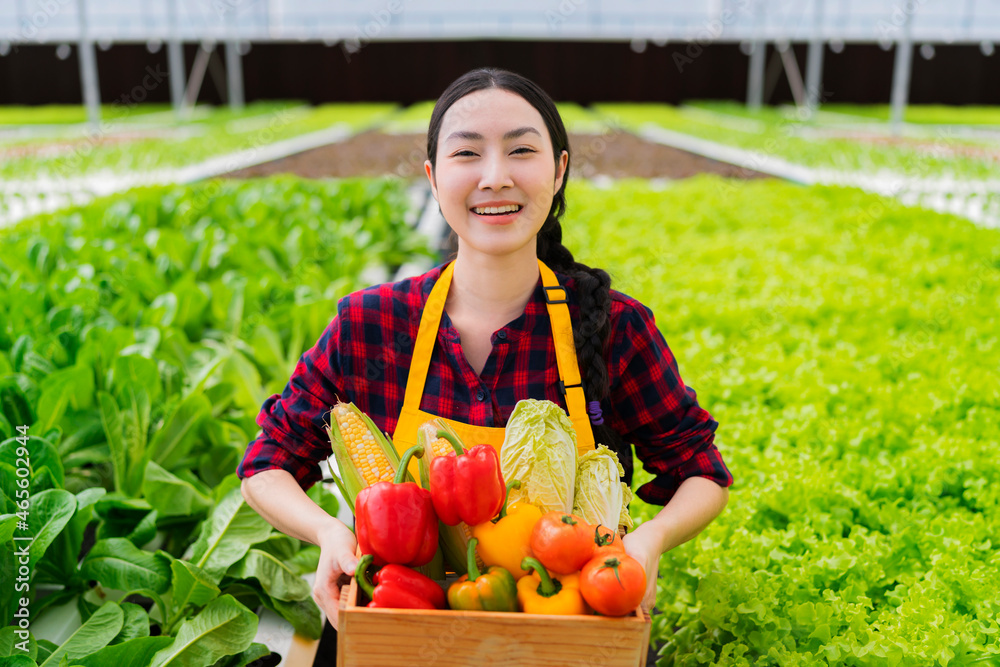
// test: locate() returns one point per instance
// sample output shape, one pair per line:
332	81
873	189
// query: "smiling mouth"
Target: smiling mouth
498	211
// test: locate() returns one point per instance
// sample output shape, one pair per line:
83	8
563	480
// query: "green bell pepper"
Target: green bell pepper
491	590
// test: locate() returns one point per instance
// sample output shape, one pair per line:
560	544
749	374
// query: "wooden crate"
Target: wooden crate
407	637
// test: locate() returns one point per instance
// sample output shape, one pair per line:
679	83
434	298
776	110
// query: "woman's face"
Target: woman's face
494	151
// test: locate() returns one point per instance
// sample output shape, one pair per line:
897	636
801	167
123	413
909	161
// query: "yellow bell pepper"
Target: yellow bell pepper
540	593
504	541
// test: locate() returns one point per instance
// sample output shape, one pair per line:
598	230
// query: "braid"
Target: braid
593	331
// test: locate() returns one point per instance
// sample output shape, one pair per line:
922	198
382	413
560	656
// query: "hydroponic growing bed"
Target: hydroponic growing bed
847	344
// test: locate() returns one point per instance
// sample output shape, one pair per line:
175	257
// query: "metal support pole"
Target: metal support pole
814	66
234	75
197	76
755	78
88	71
901	75
755	86
793	73
175	61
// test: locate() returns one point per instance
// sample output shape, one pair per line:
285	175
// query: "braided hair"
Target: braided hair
591	332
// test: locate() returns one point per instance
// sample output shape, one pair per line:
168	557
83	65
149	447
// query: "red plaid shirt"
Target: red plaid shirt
364	356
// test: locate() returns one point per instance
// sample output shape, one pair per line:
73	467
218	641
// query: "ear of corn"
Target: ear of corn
433	446
364	455
453	541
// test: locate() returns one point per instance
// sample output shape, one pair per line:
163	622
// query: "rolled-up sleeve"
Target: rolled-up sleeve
293	425
654	410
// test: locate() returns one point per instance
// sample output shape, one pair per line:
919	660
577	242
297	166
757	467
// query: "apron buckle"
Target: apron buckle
563	386
549	299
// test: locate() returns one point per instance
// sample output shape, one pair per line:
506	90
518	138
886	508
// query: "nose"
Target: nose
496	172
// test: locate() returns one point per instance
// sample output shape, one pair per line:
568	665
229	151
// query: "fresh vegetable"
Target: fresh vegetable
858	417
613	585
606	541
541	593
453	540
787	137
395	521
504	541
600	497
364	455
398	587
466	486
491	590
217	135
563	542
145	330
539	448
862	527
434	444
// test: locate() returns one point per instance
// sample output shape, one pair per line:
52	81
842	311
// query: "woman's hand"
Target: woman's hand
697	501
337	546
644	546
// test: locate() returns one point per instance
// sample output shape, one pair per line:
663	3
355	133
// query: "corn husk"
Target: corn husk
349	478
453	541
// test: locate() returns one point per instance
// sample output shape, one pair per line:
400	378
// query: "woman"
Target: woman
497	163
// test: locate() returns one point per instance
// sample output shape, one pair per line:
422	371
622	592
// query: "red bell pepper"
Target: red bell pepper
467	486
395	521
398	587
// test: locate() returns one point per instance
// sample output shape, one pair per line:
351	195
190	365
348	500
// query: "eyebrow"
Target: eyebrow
475	136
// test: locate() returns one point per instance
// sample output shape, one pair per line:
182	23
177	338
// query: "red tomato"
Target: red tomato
562	542
613	585
607	541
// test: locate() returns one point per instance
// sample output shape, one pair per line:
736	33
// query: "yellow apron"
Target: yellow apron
411	417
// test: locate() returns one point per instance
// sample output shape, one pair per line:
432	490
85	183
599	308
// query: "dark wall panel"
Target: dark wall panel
580	71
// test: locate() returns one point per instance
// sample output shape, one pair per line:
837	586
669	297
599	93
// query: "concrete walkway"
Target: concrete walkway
978	201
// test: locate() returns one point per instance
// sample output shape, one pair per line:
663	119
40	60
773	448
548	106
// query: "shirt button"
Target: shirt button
502	334
480	395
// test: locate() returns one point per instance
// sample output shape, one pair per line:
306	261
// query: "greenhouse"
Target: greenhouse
567	333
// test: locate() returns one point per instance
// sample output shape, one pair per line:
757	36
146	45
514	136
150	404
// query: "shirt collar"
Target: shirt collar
516	328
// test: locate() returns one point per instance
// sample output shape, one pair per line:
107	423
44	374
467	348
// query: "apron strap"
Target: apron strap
562	335
570	383
423	347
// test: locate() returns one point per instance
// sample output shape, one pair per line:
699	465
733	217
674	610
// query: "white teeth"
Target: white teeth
510	208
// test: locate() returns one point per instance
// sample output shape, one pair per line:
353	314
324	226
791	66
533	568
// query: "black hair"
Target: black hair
591	285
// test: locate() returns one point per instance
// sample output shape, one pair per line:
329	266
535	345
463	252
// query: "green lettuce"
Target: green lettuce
539	448
601	497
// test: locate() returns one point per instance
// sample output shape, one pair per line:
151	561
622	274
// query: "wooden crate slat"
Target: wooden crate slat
404	637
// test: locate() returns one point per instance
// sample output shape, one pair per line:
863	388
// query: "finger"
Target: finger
326	594
649	599
332	617
326	603
320	595
347	564
646	604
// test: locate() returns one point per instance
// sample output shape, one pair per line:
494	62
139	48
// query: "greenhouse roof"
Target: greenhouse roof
942	21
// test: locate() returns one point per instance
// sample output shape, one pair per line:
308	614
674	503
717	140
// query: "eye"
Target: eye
528	150
463	153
